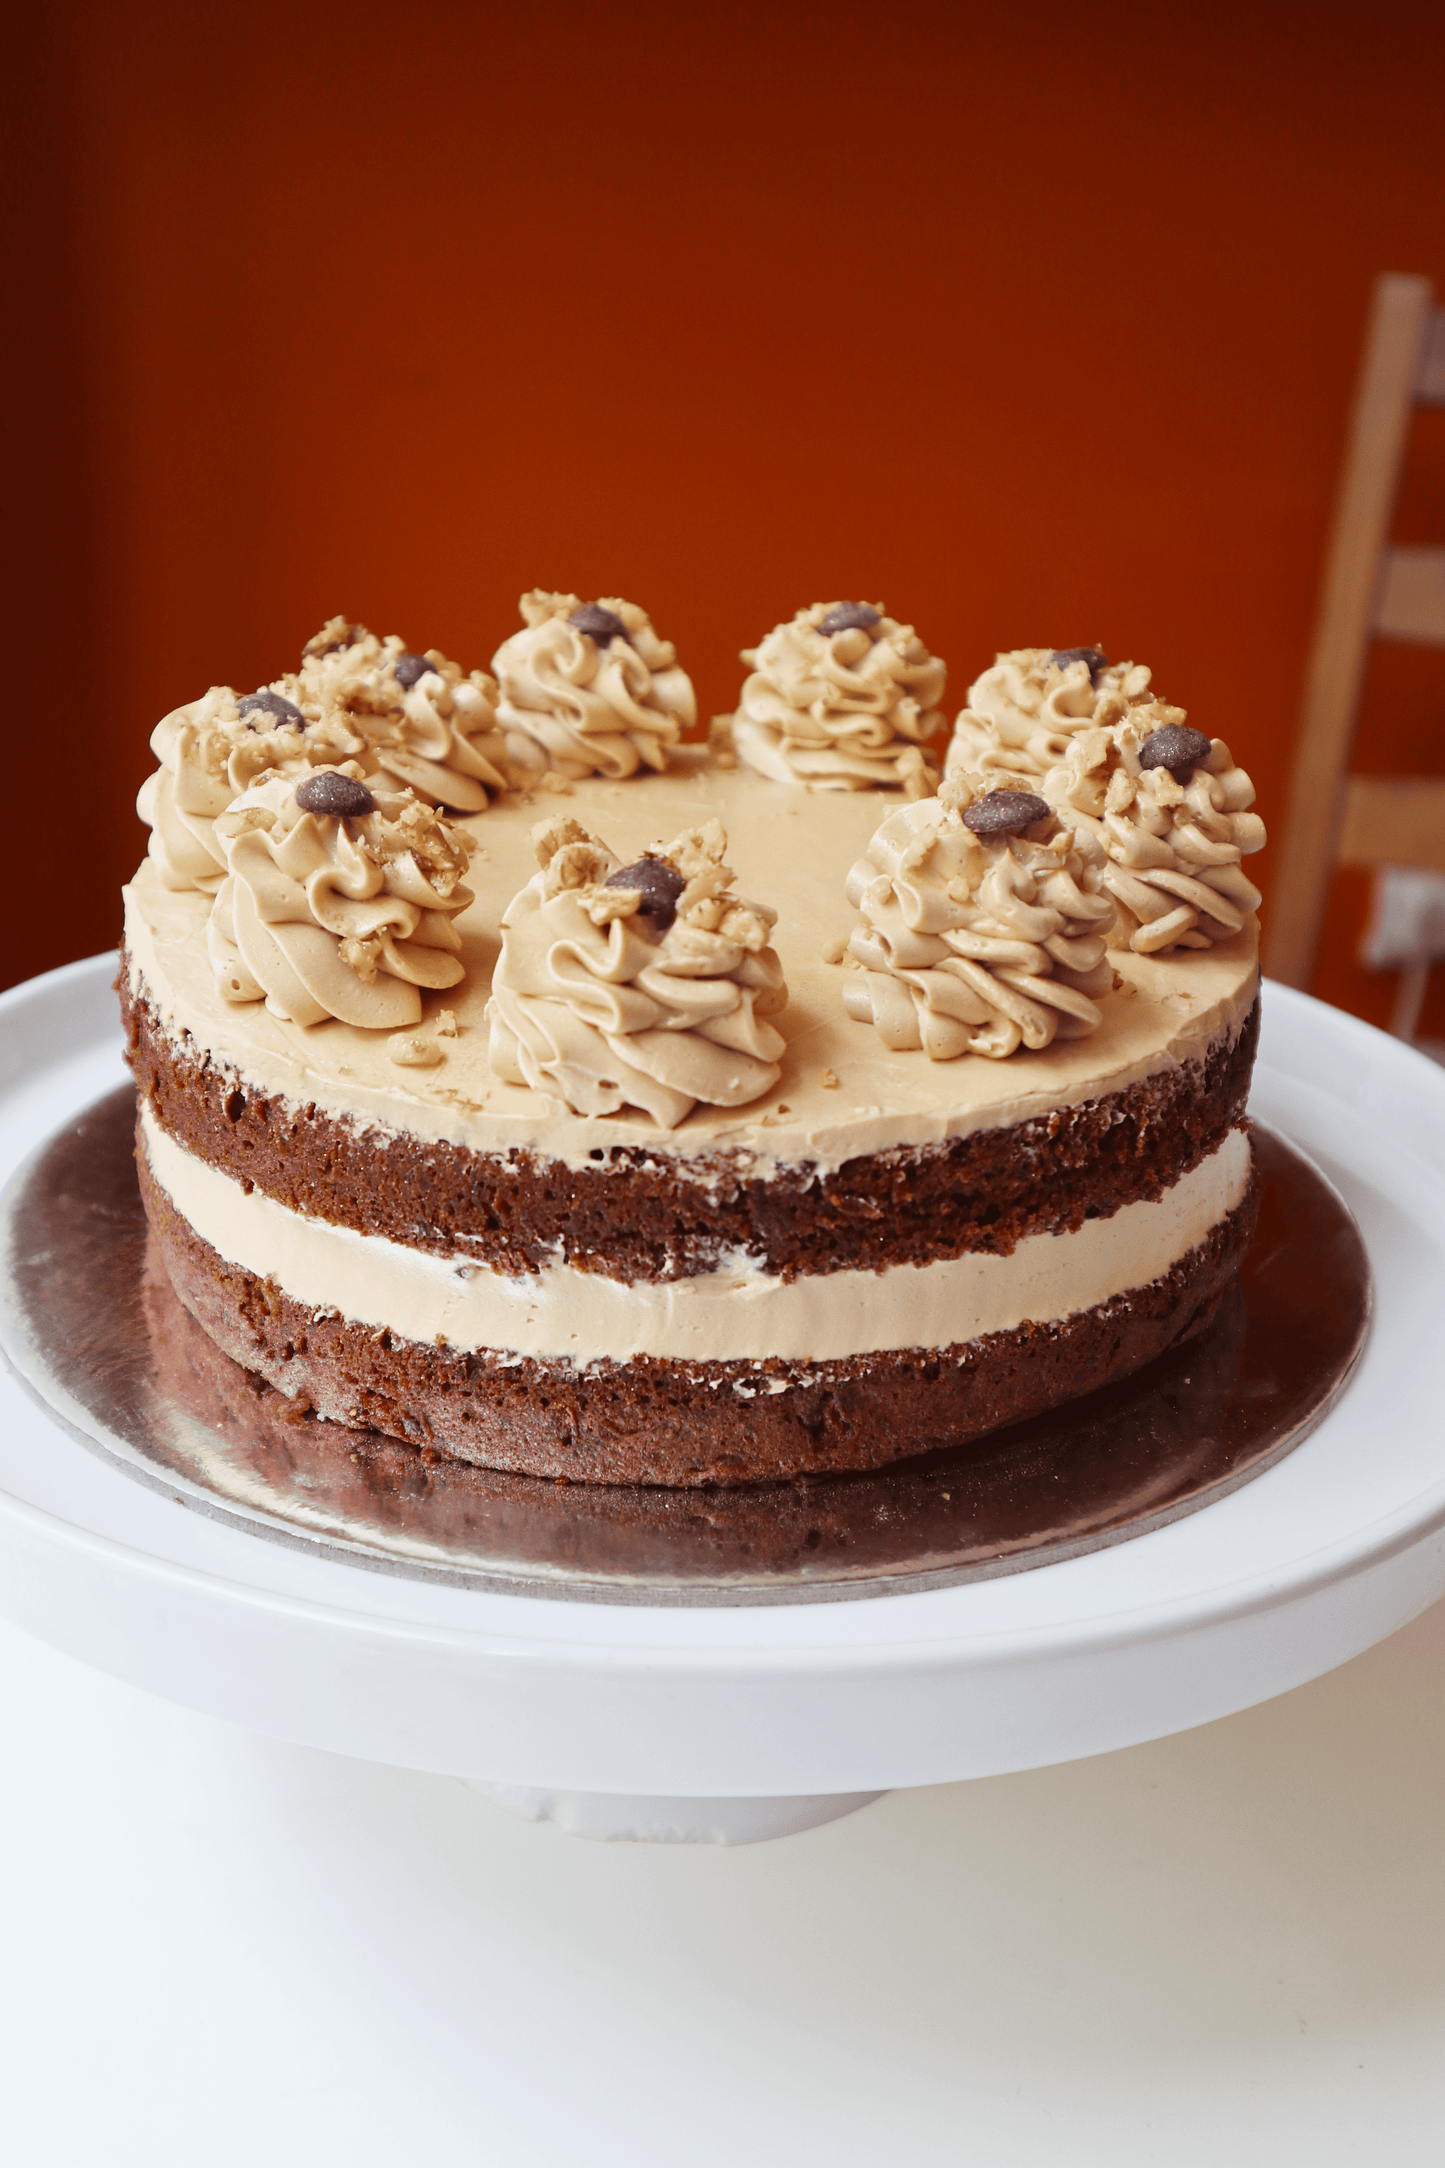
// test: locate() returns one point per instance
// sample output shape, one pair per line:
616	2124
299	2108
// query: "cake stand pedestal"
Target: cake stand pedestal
614	1816
726	1723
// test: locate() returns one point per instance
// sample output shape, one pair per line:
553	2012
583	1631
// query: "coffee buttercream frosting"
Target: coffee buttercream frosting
982	926
644	985
213	749
1170	811
430	724
338	901
842	697
588	688
1023	711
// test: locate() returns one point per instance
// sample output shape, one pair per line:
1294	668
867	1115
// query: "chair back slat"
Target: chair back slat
1394	821
1412	596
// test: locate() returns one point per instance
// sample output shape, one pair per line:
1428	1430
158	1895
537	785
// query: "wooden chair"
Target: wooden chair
1373	590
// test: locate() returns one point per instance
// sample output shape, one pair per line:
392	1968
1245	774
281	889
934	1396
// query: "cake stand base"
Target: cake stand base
618	1817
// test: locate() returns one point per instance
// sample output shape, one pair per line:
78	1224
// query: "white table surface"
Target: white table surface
1224	1947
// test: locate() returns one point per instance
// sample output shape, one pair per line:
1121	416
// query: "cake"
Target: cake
521	1081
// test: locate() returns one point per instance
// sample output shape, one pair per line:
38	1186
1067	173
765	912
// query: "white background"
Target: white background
1225	1947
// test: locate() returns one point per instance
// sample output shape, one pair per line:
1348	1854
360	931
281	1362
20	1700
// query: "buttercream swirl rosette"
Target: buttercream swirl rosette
981	926
842	697
1170	812
1023	711
213	749
339	900
588	688
430	724
644	985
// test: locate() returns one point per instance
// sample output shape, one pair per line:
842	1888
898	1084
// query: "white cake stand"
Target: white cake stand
732	1724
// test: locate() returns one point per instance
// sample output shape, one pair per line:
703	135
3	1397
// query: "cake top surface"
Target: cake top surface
840	1092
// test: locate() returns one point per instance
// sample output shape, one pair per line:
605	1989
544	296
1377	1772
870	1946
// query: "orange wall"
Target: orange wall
1040	324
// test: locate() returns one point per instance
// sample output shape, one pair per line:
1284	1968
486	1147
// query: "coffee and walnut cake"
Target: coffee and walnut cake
522	1081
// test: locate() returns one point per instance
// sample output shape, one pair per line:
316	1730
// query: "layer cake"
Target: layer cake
877	1248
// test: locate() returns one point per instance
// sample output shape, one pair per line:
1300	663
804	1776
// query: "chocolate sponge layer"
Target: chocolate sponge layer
638	1217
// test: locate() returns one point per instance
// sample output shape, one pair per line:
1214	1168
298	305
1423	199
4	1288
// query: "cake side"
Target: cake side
737	1311
645	1419
634	1216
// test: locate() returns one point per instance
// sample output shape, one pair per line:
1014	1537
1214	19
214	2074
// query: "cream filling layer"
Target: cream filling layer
726	1316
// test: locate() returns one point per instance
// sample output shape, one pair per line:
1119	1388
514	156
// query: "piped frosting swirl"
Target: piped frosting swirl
589	689
210	751
339	900
1023	711
430	724
1166	810
978	933
1172	830
842	697
644	985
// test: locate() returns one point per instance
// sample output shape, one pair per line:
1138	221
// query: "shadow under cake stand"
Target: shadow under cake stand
496	1626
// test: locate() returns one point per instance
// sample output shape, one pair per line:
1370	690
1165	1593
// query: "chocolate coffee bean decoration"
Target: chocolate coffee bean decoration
660	884
603	626
265	702
409	667
1175	748
1004	812
1095	657
849	617
341	797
